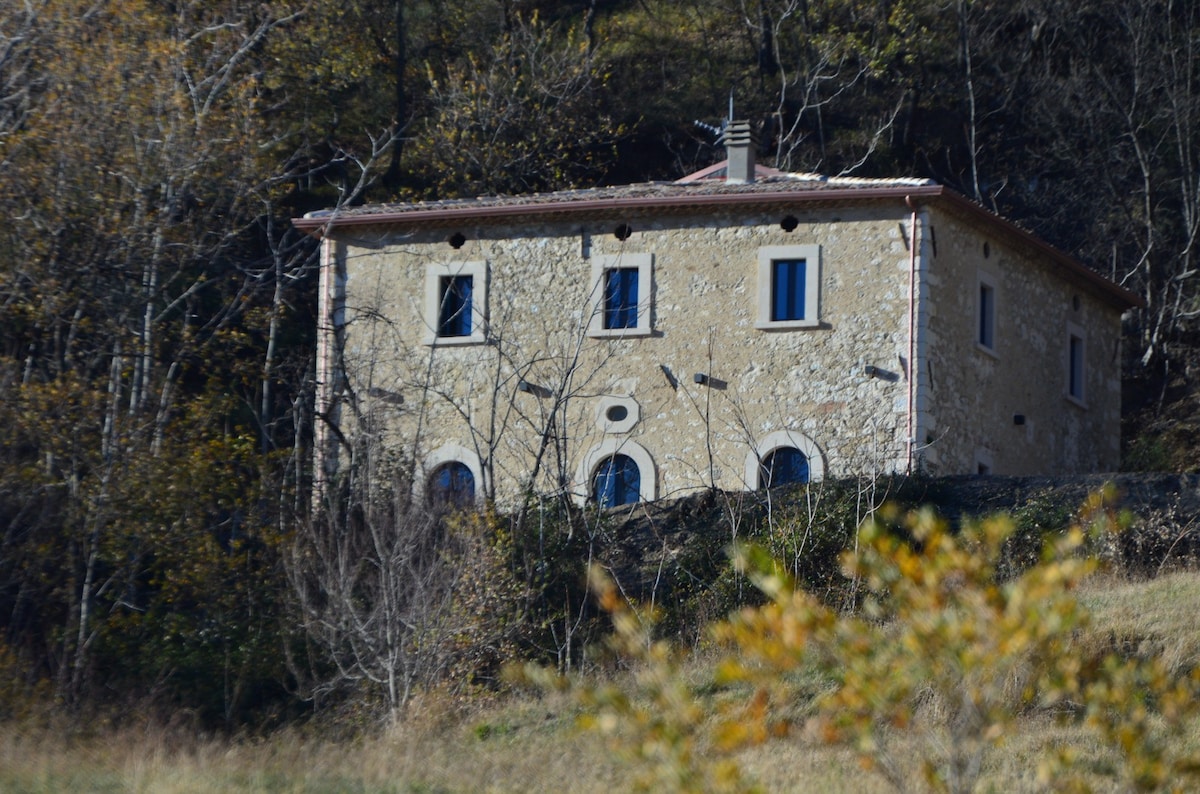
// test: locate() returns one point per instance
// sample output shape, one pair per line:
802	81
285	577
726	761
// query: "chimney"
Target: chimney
739	150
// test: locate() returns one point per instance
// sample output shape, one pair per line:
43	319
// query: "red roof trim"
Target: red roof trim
443	214
1113	291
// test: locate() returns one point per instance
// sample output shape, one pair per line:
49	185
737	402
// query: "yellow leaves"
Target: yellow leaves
663	723
749	729
956	642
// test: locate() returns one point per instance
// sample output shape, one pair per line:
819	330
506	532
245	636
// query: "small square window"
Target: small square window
456	303
1076	364
788	287
621	291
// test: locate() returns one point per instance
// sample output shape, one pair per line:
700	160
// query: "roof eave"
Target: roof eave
1116	294
322	224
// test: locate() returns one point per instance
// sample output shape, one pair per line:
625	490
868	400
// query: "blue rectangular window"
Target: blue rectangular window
787	289
454	312
987	316
621	297
1075	374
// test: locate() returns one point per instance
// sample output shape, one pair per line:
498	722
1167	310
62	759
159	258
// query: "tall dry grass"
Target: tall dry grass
516	747
1147	617
527	743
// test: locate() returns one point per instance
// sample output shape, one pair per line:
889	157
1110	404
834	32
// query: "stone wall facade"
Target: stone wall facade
705	386
1005	409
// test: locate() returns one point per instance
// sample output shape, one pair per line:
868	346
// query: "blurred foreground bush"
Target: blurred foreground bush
944	654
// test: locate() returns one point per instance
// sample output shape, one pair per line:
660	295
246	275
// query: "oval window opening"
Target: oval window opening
616	413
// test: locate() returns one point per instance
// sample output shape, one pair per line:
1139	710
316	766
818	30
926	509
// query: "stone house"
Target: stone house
738	328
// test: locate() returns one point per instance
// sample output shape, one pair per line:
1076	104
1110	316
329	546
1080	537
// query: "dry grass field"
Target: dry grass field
531	743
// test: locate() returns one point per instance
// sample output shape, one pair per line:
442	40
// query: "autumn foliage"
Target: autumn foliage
940	663
157	308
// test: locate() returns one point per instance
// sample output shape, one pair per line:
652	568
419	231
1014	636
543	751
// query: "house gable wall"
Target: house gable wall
1006	408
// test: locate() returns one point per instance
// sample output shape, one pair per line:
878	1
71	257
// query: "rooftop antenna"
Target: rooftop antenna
718	132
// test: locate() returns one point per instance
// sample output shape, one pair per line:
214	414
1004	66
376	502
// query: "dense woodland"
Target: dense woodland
157	308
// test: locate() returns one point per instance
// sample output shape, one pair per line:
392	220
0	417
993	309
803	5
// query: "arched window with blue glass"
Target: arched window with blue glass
617	481
783	457
452	485
784	466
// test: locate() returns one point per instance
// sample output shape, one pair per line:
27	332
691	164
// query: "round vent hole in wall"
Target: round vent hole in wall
617	414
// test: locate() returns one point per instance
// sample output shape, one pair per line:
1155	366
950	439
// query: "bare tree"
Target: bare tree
1119	90
374	586
527	115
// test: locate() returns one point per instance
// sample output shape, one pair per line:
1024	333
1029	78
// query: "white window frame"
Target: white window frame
986	281
779	440
644	263
633	413
434	274
767	256
449	453
647	472
1079	397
